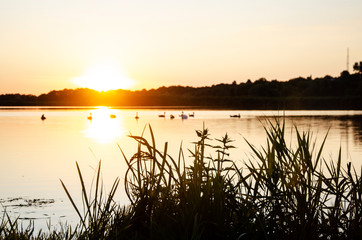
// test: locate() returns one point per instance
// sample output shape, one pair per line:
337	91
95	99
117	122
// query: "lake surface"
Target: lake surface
35	154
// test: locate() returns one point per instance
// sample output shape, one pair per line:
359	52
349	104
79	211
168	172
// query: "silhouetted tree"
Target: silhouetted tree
358	67
345	74
343	92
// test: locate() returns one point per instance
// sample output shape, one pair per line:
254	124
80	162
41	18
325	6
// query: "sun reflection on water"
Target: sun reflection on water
105	126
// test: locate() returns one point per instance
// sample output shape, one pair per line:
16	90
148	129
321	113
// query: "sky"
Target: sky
51	45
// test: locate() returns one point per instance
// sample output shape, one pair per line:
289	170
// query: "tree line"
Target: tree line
343	92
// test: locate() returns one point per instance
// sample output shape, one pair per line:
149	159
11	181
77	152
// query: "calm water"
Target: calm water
35	154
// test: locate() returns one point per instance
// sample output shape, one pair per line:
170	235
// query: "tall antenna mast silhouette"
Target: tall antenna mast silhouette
347	59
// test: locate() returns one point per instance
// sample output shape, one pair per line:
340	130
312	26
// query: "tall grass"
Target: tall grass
13	229
284	191
296	194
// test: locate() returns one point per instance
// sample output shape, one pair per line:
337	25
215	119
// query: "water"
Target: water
35	154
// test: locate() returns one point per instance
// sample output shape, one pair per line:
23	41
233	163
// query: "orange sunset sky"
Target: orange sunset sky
51	45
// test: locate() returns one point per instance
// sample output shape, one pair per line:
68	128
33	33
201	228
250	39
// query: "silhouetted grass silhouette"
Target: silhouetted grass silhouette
281	192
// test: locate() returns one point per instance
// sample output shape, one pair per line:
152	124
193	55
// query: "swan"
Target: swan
162	115
136	117
43	117
90	116
183	116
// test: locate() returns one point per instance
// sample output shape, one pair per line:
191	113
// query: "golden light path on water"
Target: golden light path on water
102	127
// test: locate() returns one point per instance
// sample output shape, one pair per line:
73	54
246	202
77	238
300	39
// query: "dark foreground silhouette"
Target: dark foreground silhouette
281	191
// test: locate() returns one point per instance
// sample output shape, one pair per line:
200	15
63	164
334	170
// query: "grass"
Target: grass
281	192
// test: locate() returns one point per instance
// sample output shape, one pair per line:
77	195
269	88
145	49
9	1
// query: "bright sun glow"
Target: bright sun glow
103	128
103	77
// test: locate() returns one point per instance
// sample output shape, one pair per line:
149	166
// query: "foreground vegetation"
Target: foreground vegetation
281	192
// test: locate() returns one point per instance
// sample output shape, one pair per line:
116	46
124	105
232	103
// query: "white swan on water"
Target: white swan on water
183	116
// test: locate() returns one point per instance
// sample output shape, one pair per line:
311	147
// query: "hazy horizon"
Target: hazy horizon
48	45
157	87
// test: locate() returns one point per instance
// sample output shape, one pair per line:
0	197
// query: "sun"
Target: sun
104	76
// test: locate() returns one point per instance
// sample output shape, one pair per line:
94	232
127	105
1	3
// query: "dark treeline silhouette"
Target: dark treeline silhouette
343	92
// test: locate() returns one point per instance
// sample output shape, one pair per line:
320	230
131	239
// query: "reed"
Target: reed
284	191
98	209
171	200
13	229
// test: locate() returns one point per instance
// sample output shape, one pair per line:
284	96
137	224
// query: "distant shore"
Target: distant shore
328	93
